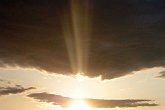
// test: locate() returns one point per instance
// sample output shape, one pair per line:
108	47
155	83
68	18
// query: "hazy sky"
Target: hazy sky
110	54
143	85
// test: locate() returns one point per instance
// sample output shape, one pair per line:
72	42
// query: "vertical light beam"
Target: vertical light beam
76	32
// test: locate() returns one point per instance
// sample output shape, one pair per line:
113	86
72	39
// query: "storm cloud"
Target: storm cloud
95	103
125	36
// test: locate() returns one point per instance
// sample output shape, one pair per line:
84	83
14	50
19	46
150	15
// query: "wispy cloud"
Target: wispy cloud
13	90
6	90
95	103
161	75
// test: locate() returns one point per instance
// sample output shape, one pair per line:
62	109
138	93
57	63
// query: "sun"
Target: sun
79	105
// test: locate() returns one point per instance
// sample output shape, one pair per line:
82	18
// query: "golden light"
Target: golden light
76	28
79	105
80	77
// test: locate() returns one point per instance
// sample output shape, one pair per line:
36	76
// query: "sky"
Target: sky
88	54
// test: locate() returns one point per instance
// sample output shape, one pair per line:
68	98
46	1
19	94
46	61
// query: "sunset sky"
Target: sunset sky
82	54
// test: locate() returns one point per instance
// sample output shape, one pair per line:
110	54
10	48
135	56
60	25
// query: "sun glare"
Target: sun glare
79	105
79	77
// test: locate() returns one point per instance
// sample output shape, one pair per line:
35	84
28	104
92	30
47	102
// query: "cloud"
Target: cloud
124	36
95	103
12	89
161	75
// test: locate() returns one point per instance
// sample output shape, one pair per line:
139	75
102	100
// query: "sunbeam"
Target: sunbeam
76	27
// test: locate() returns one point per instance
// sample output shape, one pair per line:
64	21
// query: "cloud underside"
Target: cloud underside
16	89
95	103
122	36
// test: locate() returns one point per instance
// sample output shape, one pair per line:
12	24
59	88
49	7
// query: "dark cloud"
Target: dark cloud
13	90
125	35
161	75
95	103
10	89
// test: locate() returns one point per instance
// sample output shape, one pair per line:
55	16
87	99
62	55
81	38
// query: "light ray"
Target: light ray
76	32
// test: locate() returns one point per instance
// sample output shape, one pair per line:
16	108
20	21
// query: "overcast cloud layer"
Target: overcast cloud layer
125	35
95	103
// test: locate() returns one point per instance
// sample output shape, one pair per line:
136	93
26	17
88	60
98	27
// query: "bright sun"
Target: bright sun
79	105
